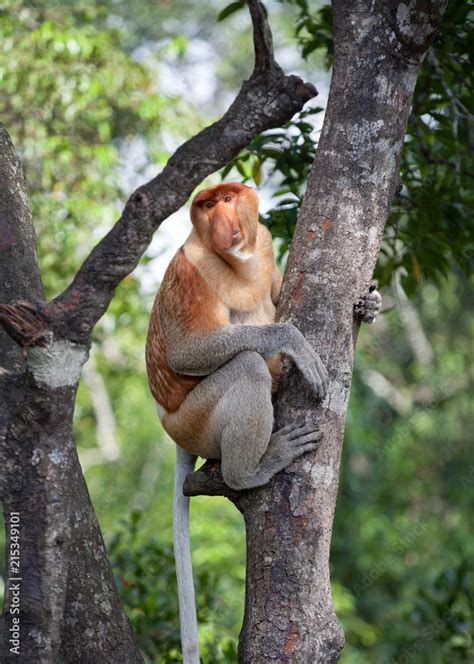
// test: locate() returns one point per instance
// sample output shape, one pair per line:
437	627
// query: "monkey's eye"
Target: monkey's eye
228	199
210	204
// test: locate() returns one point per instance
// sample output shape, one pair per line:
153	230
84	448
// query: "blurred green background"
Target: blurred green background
96	96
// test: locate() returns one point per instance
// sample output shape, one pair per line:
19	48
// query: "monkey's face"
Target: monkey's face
226	218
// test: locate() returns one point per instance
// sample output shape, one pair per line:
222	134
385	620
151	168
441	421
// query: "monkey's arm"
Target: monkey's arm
199	338
202	354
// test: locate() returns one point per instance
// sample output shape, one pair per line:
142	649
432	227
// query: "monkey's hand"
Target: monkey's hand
309	363
368	306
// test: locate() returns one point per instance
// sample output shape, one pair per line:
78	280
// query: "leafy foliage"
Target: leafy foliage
231	9
287	153
430	227
146	581
314	30
407	479
72	101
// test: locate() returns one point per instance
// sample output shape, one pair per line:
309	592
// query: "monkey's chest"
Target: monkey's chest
262	314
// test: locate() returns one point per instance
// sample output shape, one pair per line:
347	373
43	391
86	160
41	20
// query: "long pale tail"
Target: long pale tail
185	463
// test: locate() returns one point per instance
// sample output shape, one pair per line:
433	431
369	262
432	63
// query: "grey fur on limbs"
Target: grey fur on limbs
240	432
202	355
251	454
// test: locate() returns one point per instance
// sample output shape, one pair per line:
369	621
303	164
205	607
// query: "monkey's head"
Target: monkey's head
226	219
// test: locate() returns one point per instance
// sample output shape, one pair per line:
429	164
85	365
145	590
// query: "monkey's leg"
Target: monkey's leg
229	415
251	454
238	391
285	446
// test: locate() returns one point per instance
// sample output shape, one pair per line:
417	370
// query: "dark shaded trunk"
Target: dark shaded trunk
60	594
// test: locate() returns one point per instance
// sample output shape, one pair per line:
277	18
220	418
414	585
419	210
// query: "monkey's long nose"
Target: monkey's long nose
222	232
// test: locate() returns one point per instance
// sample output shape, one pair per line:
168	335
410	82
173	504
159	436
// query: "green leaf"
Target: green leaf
230	9
257	172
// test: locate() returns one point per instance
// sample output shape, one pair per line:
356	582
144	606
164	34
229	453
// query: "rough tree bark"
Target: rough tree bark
70	609
379	47
62	613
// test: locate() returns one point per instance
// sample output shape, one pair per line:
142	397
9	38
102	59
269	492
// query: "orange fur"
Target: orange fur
195	308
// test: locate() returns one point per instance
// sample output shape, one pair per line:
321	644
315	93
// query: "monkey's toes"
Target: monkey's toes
305	433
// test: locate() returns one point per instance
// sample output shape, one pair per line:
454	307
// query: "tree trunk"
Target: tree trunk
59	588
379	47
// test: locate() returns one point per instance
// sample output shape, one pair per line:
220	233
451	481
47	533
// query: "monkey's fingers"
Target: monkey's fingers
368	306
320	390
306	362
371	305
317	387
289	431
306	447
303	444
321	380
309	438
284	430
323	374
304	431
374	296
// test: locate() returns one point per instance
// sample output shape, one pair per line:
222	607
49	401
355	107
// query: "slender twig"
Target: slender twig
459	107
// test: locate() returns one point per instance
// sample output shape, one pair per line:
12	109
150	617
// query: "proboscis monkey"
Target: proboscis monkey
213	353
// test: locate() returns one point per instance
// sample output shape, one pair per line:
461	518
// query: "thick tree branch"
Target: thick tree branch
268	99
64	580
208	481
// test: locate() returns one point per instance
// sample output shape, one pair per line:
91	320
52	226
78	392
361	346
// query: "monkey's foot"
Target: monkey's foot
286	445
368	306
290	442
